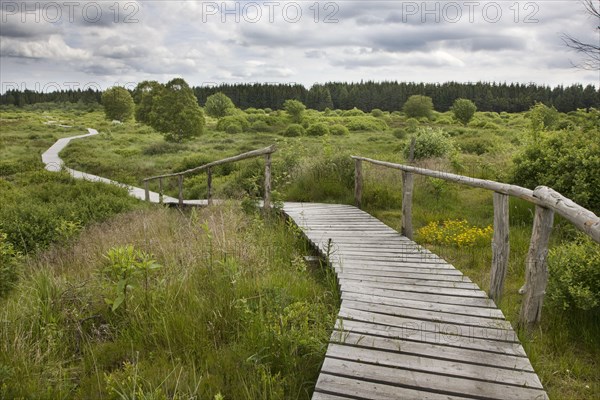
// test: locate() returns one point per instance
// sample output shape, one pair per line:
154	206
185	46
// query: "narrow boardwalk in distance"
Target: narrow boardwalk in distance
410	325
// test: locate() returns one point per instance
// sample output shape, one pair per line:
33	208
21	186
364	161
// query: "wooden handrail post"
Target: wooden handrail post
500	246
407	195
358	182
267	199
209	186
160	191
536	274
146	191
180	190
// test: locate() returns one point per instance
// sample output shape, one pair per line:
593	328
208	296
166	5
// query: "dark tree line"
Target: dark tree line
387	96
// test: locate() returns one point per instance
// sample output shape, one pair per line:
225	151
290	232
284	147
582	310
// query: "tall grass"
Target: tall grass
233	311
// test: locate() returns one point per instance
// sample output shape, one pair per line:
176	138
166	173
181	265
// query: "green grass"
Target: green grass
563	350
233	310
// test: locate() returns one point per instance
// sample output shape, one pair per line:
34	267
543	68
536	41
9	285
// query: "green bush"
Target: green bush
355	112
294	130
431	142
376	112
318	129
338	130
400	133
365	123
163	148
239	122
574	275
463	110
259	126
567	162
476	144
418	106
234	128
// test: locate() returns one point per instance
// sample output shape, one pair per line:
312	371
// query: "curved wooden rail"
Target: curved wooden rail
547	202
267	151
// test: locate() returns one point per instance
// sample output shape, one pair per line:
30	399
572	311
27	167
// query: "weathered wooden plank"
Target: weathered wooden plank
431	350
458	368
500	246
410	295
408	273
408	281
445	291
437	269
427	333
485	312
432	327
369	390
429	382
425	315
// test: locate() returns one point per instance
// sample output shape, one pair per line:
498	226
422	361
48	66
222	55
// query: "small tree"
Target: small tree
118	104
295	109
463	110
176	113
541	118
144	96
418	106
218	105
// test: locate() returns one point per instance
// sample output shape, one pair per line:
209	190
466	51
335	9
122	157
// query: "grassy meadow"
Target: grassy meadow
222	304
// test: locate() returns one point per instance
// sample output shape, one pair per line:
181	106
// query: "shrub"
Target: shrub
463	110
259	126
365	123
118	104
568	163
574	275
355	112
295	109
9	260
418	106
318	129
218	105
338	130
240	122
542	118
431	142
234	128
476	144
400	133
376	112
294	130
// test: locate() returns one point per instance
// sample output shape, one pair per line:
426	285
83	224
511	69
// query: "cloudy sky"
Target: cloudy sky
48	45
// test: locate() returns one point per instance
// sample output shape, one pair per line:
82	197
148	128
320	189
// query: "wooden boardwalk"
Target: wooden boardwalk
410	325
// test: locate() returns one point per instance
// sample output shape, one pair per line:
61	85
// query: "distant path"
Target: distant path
53	162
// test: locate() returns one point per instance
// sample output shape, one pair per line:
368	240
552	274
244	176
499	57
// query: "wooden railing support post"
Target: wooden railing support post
500	246
407	194
180	190
209	186
267	199
146	191
536	274
160	191
358	183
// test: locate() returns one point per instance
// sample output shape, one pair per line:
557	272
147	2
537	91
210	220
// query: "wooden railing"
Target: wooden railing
267	151
547	202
